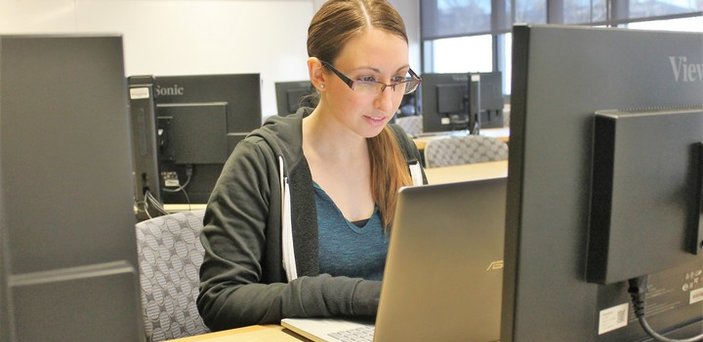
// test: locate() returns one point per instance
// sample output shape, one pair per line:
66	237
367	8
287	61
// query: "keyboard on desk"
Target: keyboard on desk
330	329
360	334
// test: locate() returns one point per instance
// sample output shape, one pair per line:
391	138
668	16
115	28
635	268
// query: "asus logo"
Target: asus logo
495	265
684	71
174	90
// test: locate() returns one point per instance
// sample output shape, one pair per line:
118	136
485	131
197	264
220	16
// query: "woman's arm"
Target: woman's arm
245	204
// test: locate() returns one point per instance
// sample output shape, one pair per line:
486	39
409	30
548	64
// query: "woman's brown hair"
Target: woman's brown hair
335	23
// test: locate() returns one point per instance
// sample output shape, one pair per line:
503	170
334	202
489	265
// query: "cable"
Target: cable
189	175
148	203
142	206
155	202
149	198
182	188
638	290
185	193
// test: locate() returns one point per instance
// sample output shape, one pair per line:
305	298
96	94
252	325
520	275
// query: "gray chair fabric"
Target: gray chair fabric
464	150
170	255
412	125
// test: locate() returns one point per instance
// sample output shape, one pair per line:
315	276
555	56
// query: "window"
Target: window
463	54
505	63
656	8
452	18
693	24
530	11
585	11
474	35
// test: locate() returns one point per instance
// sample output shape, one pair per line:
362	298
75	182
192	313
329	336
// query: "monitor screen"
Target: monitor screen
555	289
292	95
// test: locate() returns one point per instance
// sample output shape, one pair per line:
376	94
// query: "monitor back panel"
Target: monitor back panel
69	256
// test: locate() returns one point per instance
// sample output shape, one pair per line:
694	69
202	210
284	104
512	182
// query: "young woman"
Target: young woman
298	223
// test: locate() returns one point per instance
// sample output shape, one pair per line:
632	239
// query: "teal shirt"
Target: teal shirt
345	248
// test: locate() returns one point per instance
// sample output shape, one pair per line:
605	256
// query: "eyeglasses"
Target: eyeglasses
405	86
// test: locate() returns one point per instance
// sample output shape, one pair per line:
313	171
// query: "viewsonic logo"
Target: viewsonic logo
174	90
685	71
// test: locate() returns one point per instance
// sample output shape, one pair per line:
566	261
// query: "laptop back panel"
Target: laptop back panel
443	276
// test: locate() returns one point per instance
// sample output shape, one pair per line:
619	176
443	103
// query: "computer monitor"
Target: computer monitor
449	102
292	95
564	268
190	123
68	251
492	101
145	157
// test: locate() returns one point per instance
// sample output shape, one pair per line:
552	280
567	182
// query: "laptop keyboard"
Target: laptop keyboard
360	334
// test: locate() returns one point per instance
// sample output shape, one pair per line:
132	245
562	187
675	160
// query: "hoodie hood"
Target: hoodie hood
284	134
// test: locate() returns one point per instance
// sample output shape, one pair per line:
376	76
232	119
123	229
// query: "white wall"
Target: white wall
410	11
182	37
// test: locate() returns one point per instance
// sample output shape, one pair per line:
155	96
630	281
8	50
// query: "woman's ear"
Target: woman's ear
316	72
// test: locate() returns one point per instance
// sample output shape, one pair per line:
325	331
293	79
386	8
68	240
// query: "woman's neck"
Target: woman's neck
328	139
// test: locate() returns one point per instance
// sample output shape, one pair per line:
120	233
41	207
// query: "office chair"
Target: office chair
464	150
170	255
412	124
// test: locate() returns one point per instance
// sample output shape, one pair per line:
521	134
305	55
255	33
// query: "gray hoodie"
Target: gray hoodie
260	237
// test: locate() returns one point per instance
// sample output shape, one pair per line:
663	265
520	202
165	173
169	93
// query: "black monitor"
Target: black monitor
145	157
449	102
193	133
492	101
596	199
292	95
191	123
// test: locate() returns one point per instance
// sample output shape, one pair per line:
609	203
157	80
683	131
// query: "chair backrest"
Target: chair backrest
411	124
170	254
464	150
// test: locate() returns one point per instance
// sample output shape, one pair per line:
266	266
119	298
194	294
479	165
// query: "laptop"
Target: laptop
444	269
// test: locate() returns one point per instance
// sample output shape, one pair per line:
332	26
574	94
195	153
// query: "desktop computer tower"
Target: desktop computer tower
68	252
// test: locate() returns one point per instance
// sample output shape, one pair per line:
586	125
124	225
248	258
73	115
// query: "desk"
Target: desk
458	173
502	133
254	333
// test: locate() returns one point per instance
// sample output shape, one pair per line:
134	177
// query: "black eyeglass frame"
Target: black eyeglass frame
348	81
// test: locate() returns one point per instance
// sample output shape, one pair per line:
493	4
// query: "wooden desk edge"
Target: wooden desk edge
229	333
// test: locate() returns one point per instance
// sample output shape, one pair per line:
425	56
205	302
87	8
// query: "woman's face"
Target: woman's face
373	55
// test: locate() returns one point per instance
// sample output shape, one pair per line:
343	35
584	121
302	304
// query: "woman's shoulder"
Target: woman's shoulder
400	133
277	137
